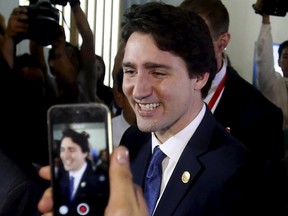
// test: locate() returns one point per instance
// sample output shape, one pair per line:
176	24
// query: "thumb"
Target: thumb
119	173
125	198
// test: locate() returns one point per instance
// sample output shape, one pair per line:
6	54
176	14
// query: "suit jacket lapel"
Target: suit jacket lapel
83	184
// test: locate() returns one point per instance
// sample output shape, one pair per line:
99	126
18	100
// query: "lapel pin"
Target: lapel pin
83	184
185	177
228	129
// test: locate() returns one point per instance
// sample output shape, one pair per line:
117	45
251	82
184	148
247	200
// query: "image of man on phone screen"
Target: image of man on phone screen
77	179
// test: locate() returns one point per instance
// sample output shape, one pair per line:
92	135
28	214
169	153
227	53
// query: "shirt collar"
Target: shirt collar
175	145
79	173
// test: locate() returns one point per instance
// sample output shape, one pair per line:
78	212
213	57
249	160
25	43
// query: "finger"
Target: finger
45	204
20	14
19	10
45	173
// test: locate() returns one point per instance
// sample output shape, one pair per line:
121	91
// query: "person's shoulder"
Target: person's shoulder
15	178
11	169
134	139
223	136
246	91
238	82
221	145
133	133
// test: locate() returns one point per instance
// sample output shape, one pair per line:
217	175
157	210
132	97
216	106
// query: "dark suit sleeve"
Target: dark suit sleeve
21	200
21	188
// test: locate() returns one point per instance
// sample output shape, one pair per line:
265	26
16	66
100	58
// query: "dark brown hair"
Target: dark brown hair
178	31
80	139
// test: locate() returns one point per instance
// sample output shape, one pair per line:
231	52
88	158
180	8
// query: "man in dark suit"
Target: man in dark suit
20	186
242	109
87	193
169	64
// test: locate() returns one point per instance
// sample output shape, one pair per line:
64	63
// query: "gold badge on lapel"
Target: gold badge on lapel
185	177
228	129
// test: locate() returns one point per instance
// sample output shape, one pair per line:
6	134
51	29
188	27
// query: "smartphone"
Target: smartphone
80	143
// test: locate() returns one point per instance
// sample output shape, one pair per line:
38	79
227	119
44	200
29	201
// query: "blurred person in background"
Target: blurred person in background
74	68
271	83
104	92
126	116
20	185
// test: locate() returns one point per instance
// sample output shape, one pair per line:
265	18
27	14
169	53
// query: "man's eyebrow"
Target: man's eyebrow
155	65
127	64
146	65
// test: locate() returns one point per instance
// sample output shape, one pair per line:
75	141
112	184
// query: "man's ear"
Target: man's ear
223	41
201	81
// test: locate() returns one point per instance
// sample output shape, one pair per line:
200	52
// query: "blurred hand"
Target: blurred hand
18	22
60	42
258	5
126	198
45	205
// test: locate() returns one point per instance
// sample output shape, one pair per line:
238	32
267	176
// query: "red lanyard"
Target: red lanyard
217	92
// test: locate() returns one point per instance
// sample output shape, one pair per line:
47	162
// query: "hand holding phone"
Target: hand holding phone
80	146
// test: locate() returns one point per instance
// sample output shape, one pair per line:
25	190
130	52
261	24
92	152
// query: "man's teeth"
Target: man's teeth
149	106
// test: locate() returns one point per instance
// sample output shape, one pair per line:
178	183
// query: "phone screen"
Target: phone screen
80	145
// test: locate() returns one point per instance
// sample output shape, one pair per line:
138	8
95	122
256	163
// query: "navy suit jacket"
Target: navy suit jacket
222	173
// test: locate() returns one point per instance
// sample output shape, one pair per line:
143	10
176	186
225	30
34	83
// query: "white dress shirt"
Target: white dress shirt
77	177
174	147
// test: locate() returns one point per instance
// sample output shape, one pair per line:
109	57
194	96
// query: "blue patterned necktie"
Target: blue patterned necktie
153	178
71	187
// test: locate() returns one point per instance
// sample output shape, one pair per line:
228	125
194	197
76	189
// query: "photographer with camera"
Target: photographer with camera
74	69
269	82
20	186
23	91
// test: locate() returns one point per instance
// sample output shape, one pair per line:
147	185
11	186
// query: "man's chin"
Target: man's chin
67	168
145	127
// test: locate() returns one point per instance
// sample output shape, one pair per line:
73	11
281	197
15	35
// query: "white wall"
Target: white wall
244	28
6	7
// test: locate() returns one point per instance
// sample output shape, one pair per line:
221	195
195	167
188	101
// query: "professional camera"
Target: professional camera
59	2
43	20
272	7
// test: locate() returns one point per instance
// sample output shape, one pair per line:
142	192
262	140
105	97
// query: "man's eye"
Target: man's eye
71	150
158	74
129	72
